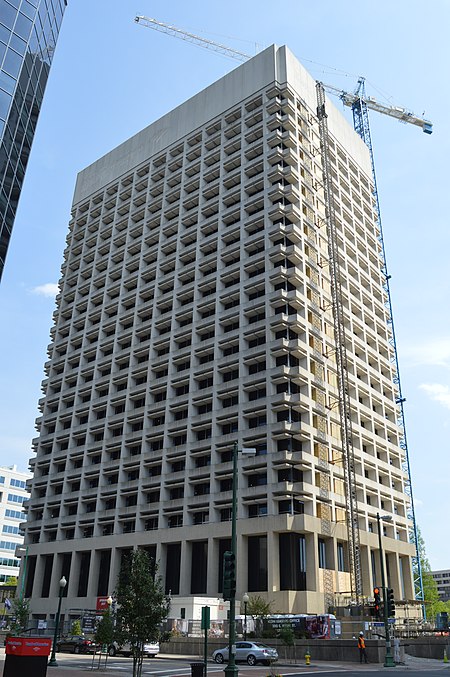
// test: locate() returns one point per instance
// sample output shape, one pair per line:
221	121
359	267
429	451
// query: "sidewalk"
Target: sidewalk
413	663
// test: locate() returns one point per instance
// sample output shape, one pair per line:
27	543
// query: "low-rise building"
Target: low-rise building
13	492
442	579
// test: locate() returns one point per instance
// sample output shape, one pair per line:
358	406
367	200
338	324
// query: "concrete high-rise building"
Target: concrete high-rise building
195	311
13	493
28	33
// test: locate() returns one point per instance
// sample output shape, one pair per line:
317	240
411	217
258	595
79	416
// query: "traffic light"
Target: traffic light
390	603
229	575
377	597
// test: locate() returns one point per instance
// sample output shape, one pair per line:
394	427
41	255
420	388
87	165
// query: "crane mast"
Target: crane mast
348	456
362	127
360	105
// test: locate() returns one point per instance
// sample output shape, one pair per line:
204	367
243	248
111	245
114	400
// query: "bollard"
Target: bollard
307	657
445	656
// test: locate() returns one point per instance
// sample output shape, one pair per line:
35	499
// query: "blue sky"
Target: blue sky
111	77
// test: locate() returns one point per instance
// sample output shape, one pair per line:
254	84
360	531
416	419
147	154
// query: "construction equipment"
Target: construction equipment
190	37
402	114
360	104
347	98
341	354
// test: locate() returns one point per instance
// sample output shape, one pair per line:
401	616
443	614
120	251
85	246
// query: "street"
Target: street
70	665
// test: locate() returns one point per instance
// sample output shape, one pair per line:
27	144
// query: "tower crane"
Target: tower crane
190	37
348	99
360	104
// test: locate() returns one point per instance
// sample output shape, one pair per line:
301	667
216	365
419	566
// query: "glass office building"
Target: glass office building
28	33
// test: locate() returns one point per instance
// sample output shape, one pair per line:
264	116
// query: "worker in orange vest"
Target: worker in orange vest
362	648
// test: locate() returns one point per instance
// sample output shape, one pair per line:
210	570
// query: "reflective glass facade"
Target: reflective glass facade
28	33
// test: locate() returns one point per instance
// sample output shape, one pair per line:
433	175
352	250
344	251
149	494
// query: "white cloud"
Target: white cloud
49	289
435	352
438	392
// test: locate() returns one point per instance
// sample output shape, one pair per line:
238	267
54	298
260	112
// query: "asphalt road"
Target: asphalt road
71	665
181	667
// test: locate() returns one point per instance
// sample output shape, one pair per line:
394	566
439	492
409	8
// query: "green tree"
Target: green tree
76	628
287	636
11	580
259	609
141	605
104	633
20	610
433	605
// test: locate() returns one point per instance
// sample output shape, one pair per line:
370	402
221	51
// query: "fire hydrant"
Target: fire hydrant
307	657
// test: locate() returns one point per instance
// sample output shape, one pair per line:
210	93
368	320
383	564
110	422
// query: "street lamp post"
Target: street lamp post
23	550
111	610
62	585
231	669
388	660
245	599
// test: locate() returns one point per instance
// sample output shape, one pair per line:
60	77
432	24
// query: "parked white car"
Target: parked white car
150	649
251	652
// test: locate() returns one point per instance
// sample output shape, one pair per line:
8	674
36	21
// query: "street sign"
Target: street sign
88	623
102	603
206	624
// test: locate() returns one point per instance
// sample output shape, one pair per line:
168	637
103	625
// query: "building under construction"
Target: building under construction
224	283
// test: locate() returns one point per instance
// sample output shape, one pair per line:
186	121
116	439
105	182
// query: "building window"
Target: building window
151	524
322	554
291	506
257	510
17	483
340	557
175	521
228	428
292	558
257	421
225	514
257	480
176	492
257	563
173	562
201	517
199	567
